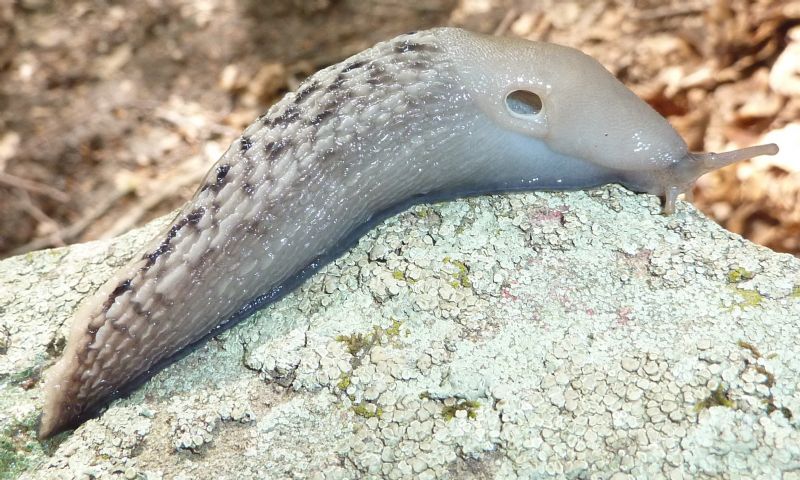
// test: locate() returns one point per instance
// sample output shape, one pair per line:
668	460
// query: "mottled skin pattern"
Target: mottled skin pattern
312	149
411	119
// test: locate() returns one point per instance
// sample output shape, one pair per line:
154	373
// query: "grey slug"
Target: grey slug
428	115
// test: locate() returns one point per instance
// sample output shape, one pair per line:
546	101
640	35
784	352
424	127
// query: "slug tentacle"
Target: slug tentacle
681	176
429	115
712	161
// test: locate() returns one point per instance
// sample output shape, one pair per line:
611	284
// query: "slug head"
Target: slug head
571	103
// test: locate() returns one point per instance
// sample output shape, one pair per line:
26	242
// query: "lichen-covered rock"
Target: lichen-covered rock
517	336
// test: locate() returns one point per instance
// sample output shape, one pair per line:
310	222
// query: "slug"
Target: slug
425	116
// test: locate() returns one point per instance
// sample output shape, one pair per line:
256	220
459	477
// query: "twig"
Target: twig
506	22
670	11
160	192
41	217
422	7
70	233
14	181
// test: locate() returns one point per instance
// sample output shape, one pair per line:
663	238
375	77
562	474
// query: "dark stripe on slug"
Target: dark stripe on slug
289	115
219	181
275	149
380	80
165	245
121	288
353	65
137	309
409	46
336	84
196	215
420	65
376	69
345	94
326	114
305	92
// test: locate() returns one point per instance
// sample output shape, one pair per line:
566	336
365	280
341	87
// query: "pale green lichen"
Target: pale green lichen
344	382
750	298
394	330
461	274
718	398
422	212
360	343
17	447
796	292
469	406
367	410
740	274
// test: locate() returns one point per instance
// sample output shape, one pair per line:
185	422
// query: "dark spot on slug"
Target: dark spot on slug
245	143
343	95
121	288
303	93
330	105
326	114
289	115
384	79
376	69
353	65
222	172
195	216
137	309
275	149
165	245
336	84
412	32
420	65
409	46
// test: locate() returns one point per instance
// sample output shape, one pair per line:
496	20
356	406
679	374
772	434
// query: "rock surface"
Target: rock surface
559	335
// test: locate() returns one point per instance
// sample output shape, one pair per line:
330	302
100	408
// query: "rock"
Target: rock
561	335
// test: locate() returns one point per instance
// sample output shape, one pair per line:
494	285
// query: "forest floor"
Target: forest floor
111	112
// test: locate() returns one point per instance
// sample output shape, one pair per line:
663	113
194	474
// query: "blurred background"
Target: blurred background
112	111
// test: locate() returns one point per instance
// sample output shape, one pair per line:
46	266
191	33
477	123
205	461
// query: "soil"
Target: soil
112	111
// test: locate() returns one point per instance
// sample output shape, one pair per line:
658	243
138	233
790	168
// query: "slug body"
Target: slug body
428	115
